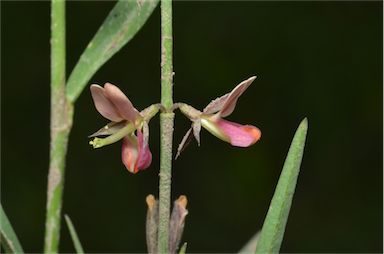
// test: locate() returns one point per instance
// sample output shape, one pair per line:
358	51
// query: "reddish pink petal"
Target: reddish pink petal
231	100
145	156
103	105
135	153
239	135
121	102
129	153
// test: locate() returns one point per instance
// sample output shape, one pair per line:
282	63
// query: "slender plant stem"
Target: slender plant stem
166	126
166	54
61	122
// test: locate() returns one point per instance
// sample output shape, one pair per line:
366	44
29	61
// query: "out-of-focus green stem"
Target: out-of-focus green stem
61	123
166	126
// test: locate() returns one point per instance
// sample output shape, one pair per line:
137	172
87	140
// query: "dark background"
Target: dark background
322	60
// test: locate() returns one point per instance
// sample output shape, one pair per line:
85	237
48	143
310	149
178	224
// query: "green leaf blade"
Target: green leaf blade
183	249
8	238
250	246
274	225
74	236
122	23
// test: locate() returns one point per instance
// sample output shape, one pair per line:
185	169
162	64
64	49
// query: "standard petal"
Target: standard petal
103	104
239	135
216	105
230	102
145	156
130	153
121	102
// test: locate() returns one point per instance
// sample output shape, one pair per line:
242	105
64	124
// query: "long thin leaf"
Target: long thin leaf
74	236
250	246
183	249
122	23
9	240
276	220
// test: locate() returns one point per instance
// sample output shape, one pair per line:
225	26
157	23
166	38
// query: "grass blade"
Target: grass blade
276	220
250	246
122	23
183	249
8	238
74	236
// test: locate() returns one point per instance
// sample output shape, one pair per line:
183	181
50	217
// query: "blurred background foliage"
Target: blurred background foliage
322	60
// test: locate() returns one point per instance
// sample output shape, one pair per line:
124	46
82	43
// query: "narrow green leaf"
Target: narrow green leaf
276	220
8	238
183	249
122	23
250	246
75	238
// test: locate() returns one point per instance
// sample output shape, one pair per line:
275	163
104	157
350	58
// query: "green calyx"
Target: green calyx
209	123
189	111
150	112
125	130
100	142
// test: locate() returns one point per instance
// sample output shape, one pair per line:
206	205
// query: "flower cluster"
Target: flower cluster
129	124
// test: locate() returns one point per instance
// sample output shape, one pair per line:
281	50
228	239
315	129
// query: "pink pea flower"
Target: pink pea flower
212	120
125	119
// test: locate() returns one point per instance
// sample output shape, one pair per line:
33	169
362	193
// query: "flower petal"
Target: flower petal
121	102
135	153
210	124
145	156
103	104
239	135
130	152
230	102
215	105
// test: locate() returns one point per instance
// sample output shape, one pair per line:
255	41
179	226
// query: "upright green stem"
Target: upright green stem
166	126
61	122
166	54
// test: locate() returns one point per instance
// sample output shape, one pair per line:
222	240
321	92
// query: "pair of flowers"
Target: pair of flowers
129	124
